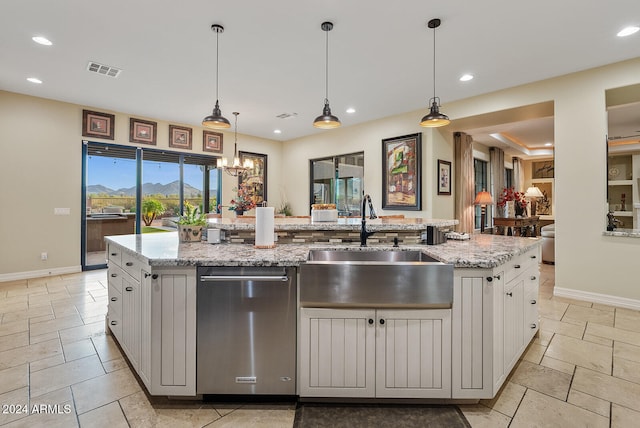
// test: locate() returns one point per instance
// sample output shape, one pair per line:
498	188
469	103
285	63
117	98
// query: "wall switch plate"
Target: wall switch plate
44	255
61	211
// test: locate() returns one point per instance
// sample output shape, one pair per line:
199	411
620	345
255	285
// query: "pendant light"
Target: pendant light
434	119
235	169
326	120
216	120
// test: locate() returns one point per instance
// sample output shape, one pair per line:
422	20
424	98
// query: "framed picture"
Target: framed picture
96	124
401	172
444	177
179	137
544	205
256	178
212	141
542	169
142	131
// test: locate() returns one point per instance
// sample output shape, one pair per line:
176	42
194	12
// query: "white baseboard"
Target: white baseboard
39	273
605	299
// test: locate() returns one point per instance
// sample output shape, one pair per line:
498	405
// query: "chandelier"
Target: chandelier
236	169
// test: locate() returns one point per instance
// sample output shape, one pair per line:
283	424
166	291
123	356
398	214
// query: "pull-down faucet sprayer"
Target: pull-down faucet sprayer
364	234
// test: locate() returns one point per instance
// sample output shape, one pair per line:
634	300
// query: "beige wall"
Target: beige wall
368	137
41	161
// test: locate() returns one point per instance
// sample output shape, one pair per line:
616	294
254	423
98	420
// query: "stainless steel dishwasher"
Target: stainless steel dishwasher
246	330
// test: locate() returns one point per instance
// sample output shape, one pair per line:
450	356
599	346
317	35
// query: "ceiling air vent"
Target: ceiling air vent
287	115
103	69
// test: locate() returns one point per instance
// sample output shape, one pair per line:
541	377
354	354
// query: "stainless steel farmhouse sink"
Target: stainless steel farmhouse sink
375	279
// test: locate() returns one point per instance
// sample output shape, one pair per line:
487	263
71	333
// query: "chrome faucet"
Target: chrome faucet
364	234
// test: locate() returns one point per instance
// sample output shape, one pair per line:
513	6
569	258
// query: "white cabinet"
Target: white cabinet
494	317
368	353
152	314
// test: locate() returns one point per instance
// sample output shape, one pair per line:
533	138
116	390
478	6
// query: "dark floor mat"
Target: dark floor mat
371	415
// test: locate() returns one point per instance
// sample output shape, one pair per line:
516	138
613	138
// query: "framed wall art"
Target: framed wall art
542	169
401	172
444	177
212	141
98	125
179	137
142	131
256	178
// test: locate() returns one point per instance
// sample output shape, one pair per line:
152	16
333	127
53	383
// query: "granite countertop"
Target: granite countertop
349	224
627	233
164	249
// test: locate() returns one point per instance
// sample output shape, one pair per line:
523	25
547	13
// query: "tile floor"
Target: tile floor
57	362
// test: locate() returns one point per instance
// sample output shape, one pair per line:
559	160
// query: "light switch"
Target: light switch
61	211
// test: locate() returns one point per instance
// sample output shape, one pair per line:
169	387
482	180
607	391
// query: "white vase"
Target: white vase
510	209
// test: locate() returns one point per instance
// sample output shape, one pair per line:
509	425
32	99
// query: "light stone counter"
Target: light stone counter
626	233
164	249
342	224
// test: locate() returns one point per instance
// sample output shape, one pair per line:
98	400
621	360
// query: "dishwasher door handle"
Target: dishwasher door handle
243	278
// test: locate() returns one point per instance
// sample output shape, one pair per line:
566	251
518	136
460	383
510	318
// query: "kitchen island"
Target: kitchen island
152	314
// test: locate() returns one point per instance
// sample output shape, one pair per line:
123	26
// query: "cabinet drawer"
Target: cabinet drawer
114	276
115	301
114	315
519	264
131	266
114	255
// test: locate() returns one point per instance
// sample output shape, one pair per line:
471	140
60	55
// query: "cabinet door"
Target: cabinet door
172	294
513	322
131	319
144	369
337	353
413	353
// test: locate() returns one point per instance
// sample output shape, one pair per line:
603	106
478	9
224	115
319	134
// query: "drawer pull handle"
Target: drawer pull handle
533	257
510	294
114	254
497	277
113	275
534	326
147	275
114	299
131	264
129	288
489	279
370	321
114	323
516	266
533	278
381	321
533	302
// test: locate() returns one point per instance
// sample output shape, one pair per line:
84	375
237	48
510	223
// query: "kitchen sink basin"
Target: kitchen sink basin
375	279
369	256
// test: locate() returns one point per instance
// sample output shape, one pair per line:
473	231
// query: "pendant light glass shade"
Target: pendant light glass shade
215	120
326	120
435	118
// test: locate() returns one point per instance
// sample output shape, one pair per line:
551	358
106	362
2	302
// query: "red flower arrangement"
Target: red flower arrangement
244	201
510	194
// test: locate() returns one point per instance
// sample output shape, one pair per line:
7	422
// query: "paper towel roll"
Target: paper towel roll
264	227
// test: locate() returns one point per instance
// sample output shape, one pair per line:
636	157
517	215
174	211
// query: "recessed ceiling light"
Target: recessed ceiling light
351	110
277	131
627	31
34	80
466	77
42	40
548	144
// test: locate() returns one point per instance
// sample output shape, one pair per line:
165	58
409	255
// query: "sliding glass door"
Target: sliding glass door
128	190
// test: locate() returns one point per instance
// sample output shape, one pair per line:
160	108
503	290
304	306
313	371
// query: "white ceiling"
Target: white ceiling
272	55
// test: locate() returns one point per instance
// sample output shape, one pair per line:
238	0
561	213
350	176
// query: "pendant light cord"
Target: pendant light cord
326	70
235	138
217	62
434	63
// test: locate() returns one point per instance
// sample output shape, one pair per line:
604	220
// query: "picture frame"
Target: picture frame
542	169
402	172
180	137
444	177
212	141
143	131
545	205
256	178
98	125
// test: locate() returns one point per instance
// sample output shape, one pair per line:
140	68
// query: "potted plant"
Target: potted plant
151	209
191	223
243	202
513	203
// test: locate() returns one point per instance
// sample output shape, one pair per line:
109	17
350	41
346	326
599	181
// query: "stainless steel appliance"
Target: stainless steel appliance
246	330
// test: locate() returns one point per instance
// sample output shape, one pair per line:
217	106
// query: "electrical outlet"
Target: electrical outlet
44	255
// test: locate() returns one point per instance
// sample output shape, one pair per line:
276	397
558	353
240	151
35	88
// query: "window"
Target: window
481	182
508	178
338	180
